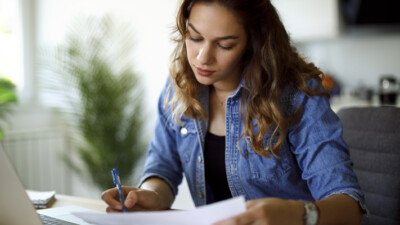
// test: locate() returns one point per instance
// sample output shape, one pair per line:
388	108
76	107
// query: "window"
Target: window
11	65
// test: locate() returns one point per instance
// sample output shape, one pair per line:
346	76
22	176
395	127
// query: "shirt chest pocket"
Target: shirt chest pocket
268	169
186	141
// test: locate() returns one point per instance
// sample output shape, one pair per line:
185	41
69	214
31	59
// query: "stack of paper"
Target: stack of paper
41	199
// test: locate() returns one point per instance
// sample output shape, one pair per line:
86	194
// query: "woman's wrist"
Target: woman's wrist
161	188
297	211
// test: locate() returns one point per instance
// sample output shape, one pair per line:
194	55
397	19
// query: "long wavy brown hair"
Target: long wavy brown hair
270	64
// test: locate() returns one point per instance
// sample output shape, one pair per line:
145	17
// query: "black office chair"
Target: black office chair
373	136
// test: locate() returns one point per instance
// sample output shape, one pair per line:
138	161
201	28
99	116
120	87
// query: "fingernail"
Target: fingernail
128	203
119	207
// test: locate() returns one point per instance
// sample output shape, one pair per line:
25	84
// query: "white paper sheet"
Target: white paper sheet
204	215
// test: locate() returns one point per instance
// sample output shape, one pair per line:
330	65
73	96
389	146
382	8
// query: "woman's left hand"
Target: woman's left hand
269	211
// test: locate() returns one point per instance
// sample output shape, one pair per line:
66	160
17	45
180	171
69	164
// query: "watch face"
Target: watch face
311	217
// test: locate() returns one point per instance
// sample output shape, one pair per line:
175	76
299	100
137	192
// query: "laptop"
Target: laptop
17	208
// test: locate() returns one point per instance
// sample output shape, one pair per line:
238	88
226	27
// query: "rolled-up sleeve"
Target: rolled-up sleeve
321	153
162	159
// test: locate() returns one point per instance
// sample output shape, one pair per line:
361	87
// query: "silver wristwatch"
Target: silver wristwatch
311	216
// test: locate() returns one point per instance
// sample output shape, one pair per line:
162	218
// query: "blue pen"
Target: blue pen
117	183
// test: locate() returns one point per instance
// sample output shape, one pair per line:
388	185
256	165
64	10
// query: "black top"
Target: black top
214	162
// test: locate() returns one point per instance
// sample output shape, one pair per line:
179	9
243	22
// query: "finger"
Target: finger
127	189
133	209
110	197
250	204
131	199
112	210
141	198
137	208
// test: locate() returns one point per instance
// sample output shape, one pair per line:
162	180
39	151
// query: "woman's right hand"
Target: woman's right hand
135	199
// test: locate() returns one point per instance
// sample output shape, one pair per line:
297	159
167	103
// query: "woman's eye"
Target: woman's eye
194	39
225	47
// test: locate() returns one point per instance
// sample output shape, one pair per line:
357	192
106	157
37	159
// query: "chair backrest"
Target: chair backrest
373	136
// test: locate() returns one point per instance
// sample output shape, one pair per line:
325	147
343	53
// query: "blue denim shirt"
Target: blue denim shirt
313	162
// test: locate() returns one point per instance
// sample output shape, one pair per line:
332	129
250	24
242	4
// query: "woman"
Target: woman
243	114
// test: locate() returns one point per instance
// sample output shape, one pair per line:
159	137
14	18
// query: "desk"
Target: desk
89	203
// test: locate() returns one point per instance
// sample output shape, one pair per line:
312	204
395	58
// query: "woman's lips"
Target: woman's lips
202	72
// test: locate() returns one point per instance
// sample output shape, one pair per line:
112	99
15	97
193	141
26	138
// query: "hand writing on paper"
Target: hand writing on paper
135	199
268	211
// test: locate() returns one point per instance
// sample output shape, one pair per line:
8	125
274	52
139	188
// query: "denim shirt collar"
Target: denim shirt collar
204	93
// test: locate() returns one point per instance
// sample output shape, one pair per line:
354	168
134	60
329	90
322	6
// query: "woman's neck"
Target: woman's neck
223	89
221	94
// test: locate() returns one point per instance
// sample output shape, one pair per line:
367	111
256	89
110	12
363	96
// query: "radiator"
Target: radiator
37	157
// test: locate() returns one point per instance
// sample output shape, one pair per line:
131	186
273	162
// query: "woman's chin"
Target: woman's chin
204	80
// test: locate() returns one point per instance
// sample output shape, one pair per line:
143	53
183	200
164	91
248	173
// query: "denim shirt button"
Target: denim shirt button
200	195
199	159
184	131
232	128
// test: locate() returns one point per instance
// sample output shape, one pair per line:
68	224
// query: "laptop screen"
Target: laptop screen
15	206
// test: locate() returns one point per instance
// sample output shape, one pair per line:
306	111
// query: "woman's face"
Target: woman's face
215	42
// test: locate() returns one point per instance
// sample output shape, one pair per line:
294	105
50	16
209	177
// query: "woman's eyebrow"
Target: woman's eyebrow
218	38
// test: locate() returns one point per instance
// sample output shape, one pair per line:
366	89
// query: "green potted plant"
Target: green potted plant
8	98
100	97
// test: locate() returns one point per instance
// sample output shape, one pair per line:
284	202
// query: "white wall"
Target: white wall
309	19
357	60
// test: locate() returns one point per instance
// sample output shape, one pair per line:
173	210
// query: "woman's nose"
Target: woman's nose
205	56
